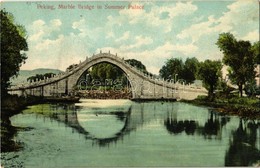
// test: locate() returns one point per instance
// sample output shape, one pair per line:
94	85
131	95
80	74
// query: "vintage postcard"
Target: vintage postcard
130	83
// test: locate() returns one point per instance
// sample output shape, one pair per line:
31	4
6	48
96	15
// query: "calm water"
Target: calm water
124	133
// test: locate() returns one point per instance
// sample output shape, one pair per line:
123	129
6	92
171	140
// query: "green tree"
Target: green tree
104	71
71	67
13	45
210	73
31	79
240	57
256	51
40	77
190	69
172	67
137	64
48	75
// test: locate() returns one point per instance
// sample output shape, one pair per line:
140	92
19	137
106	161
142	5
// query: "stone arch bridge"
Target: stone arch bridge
143	86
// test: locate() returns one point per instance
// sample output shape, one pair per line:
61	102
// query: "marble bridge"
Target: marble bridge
143	85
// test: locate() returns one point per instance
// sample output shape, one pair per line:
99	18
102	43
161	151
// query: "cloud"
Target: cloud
197	19
49	51
252	36
47	43
139	41
152	35
57	53
81	26
40	29
55	23
153	16
37	23
36	36
195	31
168	48
241	15
179	9
124	37
110	34
36	30
241	11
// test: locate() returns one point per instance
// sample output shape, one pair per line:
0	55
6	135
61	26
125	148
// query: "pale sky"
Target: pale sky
159	31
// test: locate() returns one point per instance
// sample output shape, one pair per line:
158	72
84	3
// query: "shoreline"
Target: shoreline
234	109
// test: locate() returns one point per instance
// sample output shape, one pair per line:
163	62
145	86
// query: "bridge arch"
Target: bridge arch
117	84
103	58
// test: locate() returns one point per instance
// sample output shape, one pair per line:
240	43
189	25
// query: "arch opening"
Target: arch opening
104	80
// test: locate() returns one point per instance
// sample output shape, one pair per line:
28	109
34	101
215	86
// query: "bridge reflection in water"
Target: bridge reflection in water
102	125
109	124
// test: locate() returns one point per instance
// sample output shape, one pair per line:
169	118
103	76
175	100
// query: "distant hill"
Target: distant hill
24	74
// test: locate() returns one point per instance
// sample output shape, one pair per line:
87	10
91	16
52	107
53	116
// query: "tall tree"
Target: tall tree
13	45
239	56
210	73
190	69
172	67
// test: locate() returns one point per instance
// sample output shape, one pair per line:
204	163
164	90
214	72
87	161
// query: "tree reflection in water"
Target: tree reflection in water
174	127
212	126
242	149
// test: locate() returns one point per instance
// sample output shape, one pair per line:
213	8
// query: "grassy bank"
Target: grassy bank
241	106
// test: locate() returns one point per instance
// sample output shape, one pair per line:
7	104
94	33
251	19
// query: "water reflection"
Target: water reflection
174	127
242	149
212	127
69	115
108	125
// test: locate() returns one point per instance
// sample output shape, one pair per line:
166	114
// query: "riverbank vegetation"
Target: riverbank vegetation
245	107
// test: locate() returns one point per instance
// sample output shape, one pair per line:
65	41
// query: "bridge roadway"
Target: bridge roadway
143	86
